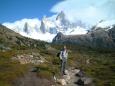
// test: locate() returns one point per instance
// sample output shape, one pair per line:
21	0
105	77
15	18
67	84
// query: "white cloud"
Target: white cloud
90	11
19	24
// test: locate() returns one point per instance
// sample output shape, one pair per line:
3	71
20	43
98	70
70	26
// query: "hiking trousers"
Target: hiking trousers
63	66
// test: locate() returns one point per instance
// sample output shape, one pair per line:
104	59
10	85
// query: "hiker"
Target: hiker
63	57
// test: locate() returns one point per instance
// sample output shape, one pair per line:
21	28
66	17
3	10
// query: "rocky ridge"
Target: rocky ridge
98	39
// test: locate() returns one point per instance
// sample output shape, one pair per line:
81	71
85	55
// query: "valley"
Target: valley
57	43
29	62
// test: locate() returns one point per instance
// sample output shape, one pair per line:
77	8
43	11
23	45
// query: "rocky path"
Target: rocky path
75	77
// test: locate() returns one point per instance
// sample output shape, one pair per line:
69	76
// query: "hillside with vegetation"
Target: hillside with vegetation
96	64
28	62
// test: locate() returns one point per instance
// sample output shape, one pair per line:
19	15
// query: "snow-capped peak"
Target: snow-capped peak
46	29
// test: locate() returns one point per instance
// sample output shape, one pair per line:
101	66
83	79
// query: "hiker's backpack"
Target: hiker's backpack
58	54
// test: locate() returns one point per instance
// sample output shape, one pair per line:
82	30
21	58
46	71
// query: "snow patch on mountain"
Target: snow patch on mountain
45	37
106	24
78	30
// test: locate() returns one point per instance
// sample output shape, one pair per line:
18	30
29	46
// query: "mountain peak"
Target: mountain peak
44	19
59	36
46	28
61	16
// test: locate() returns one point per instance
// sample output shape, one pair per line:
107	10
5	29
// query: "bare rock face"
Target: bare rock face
58	38
29	58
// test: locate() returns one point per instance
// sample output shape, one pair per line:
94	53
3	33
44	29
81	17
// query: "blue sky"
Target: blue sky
12	10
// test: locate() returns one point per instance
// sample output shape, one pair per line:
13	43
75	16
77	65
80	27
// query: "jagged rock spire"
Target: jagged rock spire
61	16
26	28
42	27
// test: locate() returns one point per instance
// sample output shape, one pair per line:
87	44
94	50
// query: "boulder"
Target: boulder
61	82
